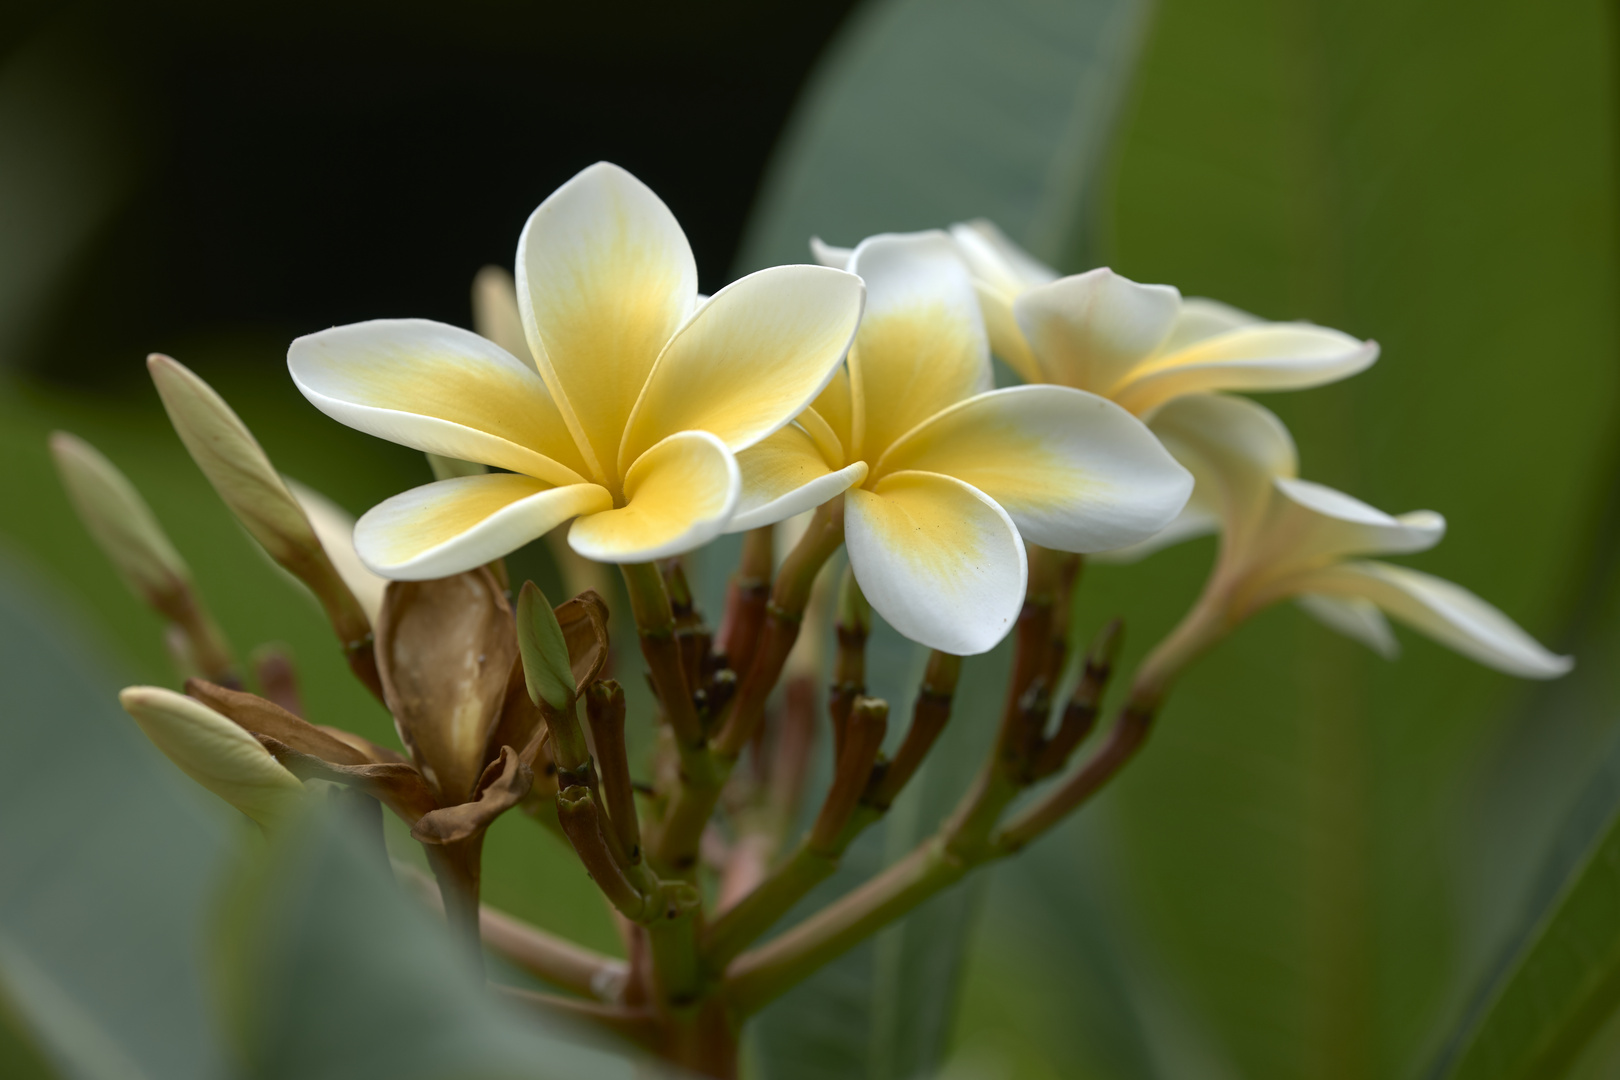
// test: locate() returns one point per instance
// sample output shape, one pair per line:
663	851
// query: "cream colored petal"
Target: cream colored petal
921	346
1196	519
784	475
604	279
1234	449
996	260
826	254
334	527
452	526
1075	471
681	495
1309	522
1356	618
1006	337
1267	356
495	312
1199	319
828	444
836	405
440	389
1445	611
215	752
756	356
938	559
1090	330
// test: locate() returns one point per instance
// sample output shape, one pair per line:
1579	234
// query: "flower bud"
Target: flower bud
215	752
123	526
544	650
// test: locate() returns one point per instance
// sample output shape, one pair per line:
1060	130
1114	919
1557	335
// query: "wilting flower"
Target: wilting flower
631	412
1138	345
952	477
1283	537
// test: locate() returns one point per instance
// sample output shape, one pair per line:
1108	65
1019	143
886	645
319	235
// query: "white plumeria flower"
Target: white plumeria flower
1138	345
628	413
1283	537
950	477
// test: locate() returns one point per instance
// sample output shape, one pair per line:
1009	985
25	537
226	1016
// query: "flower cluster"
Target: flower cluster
608	406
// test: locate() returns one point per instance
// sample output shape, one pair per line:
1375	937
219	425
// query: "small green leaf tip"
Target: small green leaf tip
545	651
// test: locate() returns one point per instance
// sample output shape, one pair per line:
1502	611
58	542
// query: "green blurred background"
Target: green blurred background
1321	857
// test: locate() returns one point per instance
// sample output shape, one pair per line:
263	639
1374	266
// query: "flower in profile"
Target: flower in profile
1283	537
951	477
628	413
1138	345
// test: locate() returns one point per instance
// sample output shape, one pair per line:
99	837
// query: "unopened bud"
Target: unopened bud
544	649
125	529
215	752
495	312
334	528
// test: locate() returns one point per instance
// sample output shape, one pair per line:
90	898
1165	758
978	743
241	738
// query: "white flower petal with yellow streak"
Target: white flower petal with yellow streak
679	495
437	388
921	346
495	312
604	279
1074	471
751	360
452	526
1234	449
1356	618
1266	356
1091	330
215	752
995	260
1310	522
1201	318
938	559
836	407
784	475
334	528
1443	610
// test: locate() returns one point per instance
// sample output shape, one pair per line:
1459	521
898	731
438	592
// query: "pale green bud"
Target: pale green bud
215	752
546	667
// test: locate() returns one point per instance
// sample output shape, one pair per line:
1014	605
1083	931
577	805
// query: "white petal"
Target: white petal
996	260
604	279
452	526
827	255
939	560
785	475
437	388
751	360
1091	330
1074	471
681	494
495	312
1200	318
921	345
1310	522
1355	617
1446	612
1235	449
1262	356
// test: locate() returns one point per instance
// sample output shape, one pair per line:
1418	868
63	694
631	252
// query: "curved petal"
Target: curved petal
1235	449
680	495
1074	471
836	406
1090	330
452	526
921	345
938	559
1006	338
828	444
1445	611
996	260
1197	518
1269	356
334	528
1309	522
784	475
826	254
604	279
751	360
1200	318
1356	618
214	752
436	388
495	313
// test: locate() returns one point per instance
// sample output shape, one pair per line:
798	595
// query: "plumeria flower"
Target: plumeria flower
1283	537
1138	345
947	478
628	413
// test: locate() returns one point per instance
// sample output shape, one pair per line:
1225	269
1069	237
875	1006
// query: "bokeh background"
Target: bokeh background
1320	859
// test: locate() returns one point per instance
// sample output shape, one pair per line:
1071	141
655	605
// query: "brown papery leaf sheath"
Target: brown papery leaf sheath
502	787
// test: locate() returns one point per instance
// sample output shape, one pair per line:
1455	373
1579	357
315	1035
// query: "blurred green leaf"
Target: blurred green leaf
341	976
110	856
